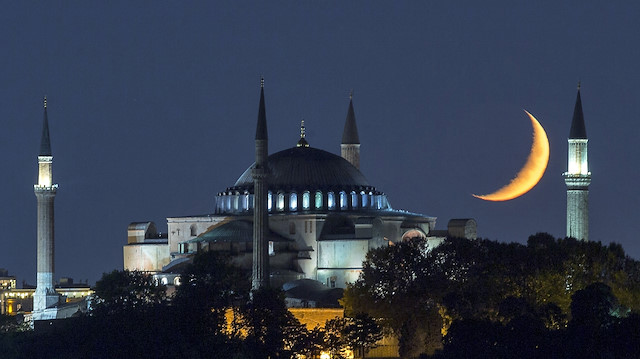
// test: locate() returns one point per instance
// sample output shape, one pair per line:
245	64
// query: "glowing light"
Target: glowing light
532	171
305	200
280	201
318	200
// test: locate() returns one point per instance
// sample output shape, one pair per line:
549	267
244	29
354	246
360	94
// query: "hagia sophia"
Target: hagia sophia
323	217
300	218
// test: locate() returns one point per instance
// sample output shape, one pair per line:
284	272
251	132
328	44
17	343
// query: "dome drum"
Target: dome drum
306	201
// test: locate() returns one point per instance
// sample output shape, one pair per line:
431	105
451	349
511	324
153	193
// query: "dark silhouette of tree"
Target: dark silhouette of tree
271	328
126	291
210	286
361	333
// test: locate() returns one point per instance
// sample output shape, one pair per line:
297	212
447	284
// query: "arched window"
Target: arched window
318	200
331	201
280	201
293	201
305	200
354	199
194	230
245	201
236	202
227	204
343	200
269	200
365	199
176	280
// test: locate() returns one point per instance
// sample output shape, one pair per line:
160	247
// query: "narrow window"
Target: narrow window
293	201
305	200
343	200
318	200
269	200
194	230
280	201
331	202
292	228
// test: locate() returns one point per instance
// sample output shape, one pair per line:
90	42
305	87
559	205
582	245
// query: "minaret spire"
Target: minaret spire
260	173
45	191
261	128
45	141
350	146
577	178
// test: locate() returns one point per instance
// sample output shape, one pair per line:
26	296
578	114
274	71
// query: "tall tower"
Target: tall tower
578	177
45	295
350	147
260	174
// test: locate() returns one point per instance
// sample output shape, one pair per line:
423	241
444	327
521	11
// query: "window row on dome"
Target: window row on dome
237	202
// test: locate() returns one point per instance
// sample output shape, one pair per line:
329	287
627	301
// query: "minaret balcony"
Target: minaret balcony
44	188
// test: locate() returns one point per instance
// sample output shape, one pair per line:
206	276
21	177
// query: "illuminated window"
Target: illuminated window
272	251
176	280
164	281
194	230
305	200
318	200
269	200
354	199
236	201
343	200
280	201
365	200
245	201
293	201
331	201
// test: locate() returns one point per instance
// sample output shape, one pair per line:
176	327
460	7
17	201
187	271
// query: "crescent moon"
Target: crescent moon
532	171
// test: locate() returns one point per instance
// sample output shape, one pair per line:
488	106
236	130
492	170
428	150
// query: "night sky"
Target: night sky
152	110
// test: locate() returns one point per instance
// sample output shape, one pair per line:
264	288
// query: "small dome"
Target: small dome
307	168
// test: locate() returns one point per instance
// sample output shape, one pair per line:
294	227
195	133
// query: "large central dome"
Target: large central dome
307	168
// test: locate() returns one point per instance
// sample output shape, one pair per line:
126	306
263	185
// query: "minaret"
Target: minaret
578	177
45	295
260	173
350	147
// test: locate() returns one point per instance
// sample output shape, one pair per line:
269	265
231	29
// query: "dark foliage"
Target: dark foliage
485	298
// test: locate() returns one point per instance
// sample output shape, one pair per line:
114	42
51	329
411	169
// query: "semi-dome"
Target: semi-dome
306	168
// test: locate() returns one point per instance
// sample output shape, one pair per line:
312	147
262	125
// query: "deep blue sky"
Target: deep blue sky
152	109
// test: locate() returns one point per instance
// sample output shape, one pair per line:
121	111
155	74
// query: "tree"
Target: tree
362	333
121	292
269	324
211	285
595	307
334	340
